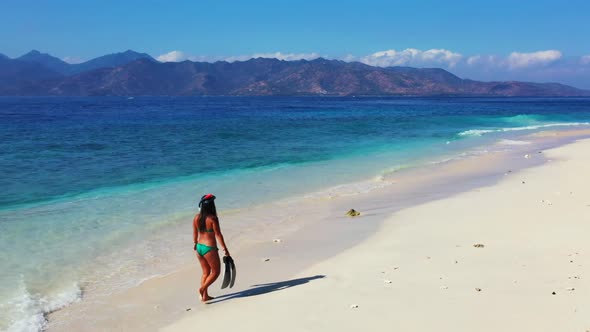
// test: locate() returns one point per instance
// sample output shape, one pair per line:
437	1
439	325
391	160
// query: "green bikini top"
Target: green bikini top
207	231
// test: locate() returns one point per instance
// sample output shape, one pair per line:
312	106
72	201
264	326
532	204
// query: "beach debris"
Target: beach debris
396	267
266	259
444	287
354	306
456	262
353	213
553	293
571	289
546	202
387	281
527	156
277	240
188	309
522	182
478	289
478	245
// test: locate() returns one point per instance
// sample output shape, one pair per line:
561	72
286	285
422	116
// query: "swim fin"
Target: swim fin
227	273
233	271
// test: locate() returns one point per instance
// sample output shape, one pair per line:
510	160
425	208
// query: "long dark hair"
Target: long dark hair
207	205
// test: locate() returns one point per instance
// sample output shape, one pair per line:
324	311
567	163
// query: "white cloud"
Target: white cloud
276	55
515	61
484	60
177	56
173	56
73	59
524	60
412	57
585	60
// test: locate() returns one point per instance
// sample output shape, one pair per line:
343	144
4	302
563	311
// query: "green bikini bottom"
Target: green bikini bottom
203	249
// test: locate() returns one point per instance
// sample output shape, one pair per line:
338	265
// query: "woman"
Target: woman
206	233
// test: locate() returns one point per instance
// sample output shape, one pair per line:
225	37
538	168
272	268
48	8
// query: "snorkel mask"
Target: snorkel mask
206	199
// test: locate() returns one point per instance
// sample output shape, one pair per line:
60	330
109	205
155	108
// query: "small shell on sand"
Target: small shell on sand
277	240
570	289
266	259
527	156
478	245
444	287
478	289
354	306
353	213
387	281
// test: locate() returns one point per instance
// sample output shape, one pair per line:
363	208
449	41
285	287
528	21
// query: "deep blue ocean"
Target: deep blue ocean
84	176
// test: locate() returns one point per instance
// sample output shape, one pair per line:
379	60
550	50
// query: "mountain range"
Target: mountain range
131	74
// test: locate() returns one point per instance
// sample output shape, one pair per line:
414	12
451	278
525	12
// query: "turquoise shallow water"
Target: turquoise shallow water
85	177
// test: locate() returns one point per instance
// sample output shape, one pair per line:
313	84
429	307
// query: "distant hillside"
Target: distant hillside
131	73
111	61
61	67
17	77
50	62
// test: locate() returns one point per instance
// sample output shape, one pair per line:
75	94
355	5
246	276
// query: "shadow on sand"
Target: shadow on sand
265	288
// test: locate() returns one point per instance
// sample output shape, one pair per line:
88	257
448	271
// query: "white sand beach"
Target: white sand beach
504	249
422	272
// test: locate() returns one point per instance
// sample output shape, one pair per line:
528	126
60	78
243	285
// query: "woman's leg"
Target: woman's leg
212	258
206	271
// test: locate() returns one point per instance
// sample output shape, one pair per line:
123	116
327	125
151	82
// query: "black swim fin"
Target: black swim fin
227	273
233	271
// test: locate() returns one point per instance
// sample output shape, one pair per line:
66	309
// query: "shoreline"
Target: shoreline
166	302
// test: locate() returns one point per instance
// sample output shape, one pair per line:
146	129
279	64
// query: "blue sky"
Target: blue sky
527	40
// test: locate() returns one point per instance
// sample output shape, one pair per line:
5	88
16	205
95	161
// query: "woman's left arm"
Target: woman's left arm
195	232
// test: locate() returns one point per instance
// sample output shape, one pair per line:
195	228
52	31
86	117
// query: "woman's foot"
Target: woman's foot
207	298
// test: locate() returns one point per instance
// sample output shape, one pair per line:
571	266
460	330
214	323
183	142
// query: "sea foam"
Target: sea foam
25	310
480	132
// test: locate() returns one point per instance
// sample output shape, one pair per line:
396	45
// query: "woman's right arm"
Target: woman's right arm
219	236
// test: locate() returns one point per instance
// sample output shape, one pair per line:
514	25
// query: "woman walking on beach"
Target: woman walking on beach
206	233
